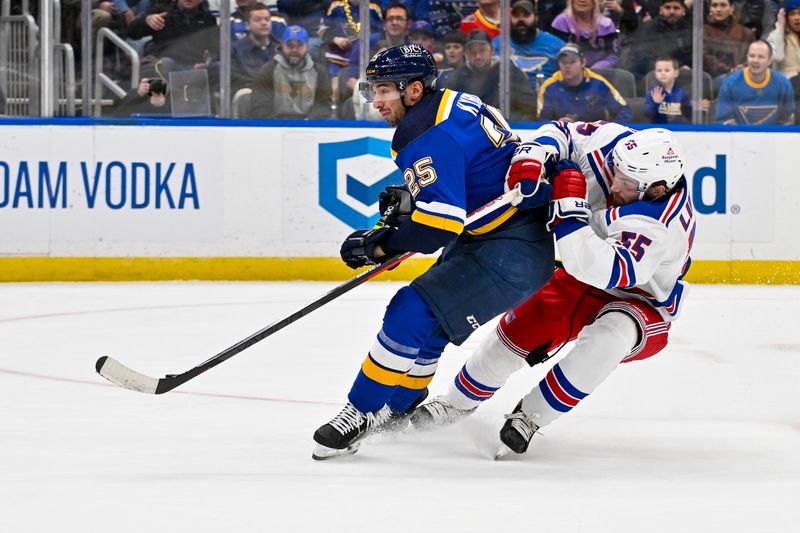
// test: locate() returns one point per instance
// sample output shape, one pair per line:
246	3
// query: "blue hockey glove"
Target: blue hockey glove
358	249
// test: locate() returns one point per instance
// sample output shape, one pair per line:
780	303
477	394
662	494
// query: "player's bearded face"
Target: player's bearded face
386	98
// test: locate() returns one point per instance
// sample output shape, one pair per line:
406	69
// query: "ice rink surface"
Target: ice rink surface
704	437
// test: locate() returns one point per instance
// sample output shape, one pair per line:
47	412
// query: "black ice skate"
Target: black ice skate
398	422
437	412
343	434
517	432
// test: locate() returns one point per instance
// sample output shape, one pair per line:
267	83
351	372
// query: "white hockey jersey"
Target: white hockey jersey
639	250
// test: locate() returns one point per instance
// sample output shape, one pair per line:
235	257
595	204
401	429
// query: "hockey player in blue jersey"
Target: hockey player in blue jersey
456	155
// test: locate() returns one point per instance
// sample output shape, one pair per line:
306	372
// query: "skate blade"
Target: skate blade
502	452
321	453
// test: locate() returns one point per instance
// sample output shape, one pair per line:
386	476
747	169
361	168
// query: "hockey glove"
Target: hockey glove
530	165
401	202
569	195
358	249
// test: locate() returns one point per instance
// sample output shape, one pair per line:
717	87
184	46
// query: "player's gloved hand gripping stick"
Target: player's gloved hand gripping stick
396	205
119	374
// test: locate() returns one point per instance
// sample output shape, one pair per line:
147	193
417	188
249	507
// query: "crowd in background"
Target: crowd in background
571	59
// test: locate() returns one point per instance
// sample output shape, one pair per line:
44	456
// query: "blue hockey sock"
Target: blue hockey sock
391	365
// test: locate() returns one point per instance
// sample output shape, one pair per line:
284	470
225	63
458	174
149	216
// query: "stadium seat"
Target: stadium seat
241	103
622	80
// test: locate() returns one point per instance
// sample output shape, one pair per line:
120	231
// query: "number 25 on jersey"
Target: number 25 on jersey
422	175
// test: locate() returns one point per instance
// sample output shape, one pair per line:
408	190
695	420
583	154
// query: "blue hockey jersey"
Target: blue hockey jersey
743	101
675	109
454	152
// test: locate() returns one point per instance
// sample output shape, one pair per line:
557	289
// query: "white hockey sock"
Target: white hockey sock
600	347
486	370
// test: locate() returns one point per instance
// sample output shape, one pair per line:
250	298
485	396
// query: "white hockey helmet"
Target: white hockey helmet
649	156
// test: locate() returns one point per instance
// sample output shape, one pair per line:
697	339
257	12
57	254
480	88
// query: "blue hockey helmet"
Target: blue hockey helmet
400	65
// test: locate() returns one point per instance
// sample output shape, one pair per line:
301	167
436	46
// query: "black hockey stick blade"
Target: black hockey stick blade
121	375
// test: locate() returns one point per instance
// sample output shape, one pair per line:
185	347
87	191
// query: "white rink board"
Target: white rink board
204	191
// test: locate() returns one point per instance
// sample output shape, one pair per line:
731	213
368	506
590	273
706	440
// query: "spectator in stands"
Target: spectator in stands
417	9
755	14
103	14
480	75
308	14
535	50
667	102
668	35
785	39
258	46
130	9
595	34
421	32
485	18
239	28
575	93
338	29
725	41
396	23
292	85
185	36
446	15
757	94
623	13
547	11
454	53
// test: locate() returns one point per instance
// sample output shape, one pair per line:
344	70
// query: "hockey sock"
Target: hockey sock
407	325
484	373
419	376
600	348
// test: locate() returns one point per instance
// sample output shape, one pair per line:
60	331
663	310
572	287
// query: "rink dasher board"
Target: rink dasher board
90	200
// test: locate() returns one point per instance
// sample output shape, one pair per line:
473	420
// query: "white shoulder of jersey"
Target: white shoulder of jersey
575	139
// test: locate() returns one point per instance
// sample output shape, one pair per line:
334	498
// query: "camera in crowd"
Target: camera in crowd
157	86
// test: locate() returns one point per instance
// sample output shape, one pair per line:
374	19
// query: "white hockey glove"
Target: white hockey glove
530	166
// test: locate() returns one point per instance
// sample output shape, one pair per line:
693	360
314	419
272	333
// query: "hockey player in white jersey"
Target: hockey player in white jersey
621	285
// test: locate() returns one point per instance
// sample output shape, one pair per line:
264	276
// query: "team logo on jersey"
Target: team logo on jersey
351	174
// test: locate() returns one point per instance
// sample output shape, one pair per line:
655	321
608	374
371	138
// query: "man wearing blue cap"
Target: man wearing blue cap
292	85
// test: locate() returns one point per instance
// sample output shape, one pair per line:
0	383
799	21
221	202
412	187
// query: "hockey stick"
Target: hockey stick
121	375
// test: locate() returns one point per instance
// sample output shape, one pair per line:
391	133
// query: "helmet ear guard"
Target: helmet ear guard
649	156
